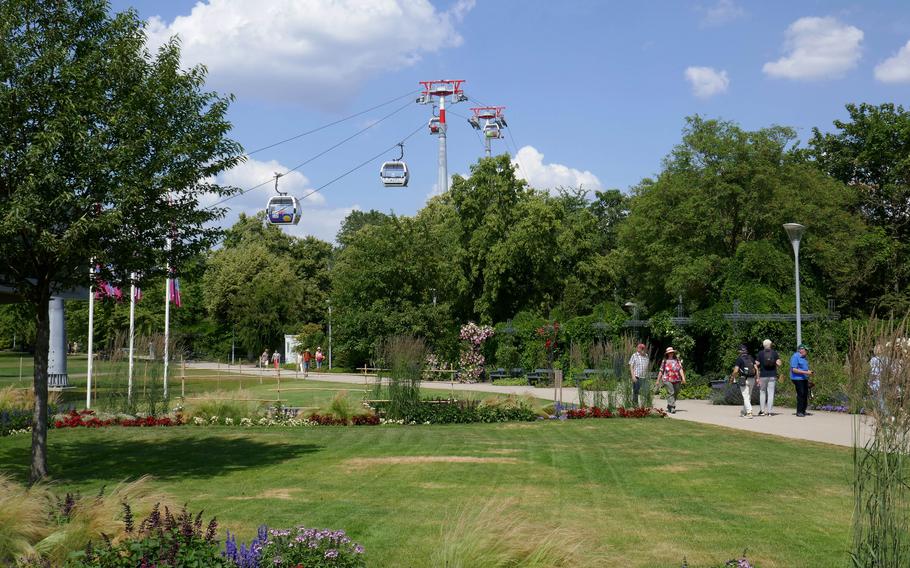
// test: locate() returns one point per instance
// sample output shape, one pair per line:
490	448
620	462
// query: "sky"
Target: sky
595	92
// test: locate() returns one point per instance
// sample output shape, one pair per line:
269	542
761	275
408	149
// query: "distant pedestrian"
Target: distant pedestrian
744	372
307	357
799	374
876	368
276	359
671	375
638	370
319	357
768	362
300	361
264	359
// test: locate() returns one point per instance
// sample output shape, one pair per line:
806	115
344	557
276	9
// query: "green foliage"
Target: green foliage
160	540
310	337
871	151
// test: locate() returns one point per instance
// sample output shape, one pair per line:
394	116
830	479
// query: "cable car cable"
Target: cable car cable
365	162
330	124
319	155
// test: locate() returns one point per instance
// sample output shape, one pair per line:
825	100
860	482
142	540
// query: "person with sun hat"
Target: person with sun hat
672	376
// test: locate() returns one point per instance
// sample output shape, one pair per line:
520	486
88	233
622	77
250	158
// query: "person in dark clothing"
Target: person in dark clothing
768	362
799	374
744	375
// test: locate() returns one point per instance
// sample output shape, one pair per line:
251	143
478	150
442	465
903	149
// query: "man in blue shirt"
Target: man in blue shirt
799	374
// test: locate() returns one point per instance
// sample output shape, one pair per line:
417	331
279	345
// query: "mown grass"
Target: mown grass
636	492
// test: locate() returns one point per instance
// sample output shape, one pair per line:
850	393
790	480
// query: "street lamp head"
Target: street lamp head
794	231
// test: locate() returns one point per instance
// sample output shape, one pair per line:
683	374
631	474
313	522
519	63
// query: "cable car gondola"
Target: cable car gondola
434	125
395	173
283	209
491	130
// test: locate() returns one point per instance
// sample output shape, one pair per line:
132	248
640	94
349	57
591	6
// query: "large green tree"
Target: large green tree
708	228
870	152
104	153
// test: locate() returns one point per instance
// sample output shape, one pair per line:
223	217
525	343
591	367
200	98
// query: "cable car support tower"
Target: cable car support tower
490	121
435	93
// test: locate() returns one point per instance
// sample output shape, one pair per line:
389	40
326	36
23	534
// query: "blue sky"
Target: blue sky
596	92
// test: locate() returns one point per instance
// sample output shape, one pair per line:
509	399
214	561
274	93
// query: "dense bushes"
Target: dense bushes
451	411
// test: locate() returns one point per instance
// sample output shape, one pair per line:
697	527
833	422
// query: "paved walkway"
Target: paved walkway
826	427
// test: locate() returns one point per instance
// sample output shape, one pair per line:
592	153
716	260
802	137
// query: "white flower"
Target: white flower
229	421
198	421
246	422
213	420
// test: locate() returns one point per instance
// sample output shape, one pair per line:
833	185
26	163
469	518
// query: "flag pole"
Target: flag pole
167	320
91	334
129	382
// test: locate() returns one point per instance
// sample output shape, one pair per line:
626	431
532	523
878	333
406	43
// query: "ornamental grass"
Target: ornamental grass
881	485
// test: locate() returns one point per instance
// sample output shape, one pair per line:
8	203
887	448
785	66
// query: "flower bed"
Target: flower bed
621	412
293	548
88	419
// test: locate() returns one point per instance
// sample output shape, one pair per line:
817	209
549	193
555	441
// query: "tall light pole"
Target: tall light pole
795	232
330	334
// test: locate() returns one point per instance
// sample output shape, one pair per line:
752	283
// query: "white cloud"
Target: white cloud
817	48
253	172
895	69
722	12
532	168
320	51
707	81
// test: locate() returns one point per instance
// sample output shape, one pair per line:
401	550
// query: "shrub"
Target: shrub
342	408
231	405
699	392
511	382
160	541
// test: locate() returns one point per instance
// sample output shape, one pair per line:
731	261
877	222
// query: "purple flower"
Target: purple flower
331	553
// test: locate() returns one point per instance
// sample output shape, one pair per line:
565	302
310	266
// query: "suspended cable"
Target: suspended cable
420	127
330	124
319	155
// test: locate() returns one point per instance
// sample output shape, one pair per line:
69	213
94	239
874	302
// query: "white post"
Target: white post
799	322
91	337
129	380
167	327
330	337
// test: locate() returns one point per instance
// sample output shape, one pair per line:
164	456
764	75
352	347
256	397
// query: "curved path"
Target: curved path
826	427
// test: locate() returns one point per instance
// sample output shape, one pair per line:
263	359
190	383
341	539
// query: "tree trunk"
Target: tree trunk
39	419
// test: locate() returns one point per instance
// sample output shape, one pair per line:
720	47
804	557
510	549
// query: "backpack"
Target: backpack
768	361
749	369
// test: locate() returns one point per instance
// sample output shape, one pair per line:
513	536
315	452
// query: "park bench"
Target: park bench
540	375
499	373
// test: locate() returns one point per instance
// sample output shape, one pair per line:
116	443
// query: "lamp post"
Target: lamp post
795	232
330	333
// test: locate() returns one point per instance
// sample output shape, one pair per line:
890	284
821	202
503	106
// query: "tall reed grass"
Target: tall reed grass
405	357
881	482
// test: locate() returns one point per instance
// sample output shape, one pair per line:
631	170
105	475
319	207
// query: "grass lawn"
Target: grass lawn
644	492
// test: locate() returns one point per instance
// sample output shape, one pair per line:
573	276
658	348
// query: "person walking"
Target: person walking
264	359
744	372
768	362
876	368
799	374
307	357
276	359
638	370
300	361
672	376
319	357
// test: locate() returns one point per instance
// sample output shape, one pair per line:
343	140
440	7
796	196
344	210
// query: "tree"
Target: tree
871	154
105	151
256	291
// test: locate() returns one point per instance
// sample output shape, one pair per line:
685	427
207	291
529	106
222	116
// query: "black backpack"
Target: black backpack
749	369
768	360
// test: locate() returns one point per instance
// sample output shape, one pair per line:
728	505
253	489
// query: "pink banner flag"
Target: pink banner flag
174	292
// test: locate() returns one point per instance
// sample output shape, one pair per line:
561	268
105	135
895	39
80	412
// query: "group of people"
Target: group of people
762	370
304	359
